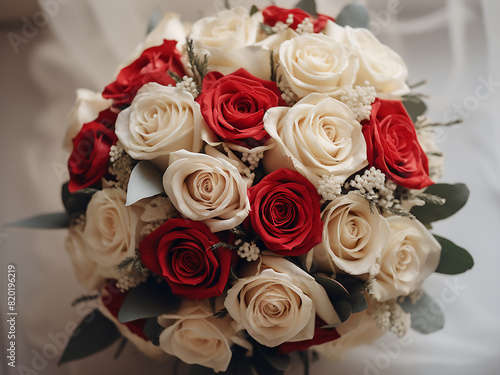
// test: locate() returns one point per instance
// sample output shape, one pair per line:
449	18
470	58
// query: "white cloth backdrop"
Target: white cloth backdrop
453	44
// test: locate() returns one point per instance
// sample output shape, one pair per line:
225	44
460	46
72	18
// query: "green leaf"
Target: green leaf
253	10
355	287
46	221
268	361
240	363
338	295
154	20
426	315
454	259
152	329
95	333
147	300
456	197
415	106
308	6
353	15
76	202
145	181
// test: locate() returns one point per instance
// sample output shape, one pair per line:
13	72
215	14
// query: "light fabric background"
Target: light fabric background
453	44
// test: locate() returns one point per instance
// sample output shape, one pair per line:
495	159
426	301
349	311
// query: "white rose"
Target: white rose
171	28
409	257
208	187
146	347
354	236
317	136
112	229
196	337
159	121
230	41
86	109
87	271
278	303
383	68
359	329
316	63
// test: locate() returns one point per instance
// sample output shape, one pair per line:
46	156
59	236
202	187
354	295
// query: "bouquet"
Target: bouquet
256	184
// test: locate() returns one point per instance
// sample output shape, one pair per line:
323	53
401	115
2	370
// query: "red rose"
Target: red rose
89	160
392	145
321	336
181	251
112	299
285	212
234	105
273	14
151	66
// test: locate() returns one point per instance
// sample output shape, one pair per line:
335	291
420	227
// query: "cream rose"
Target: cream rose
159	121
383	68
196	337
354	236
87	271
171	28
225	39
359	329
317	136
278	302
112	229
316	63
409	257
86	109
208	187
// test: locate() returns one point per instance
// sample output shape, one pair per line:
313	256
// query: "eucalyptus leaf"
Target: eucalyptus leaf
253	10
154	20
152	329
354	286
240	363
454	259
145	181
338	295
456	196
268	361
354	15
76	202
343	307
358	302
147	300
57	220
333	288
426	314
95	333
415	106
308	6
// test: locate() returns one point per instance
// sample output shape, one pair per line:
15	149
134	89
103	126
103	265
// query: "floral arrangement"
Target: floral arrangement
257	184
